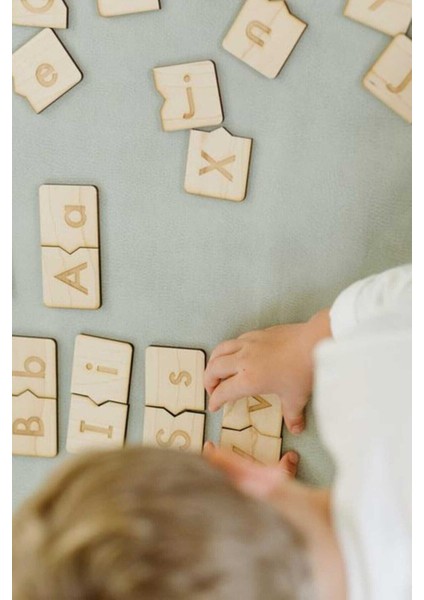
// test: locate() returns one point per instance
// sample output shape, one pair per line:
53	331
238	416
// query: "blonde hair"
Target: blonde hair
144	523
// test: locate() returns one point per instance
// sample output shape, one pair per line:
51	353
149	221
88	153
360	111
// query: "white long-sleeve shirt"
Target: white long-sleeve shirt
363	406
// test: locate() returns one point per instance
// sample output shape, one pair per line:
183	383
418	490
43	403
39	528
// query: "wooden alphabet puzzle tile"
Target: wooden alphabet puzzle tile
184	432
264	35
218	164
43	70
70	246
40	13
390	78
263	412
252	445
34	401
389	16
95	426
101	369
174	378
112	8
100	386
191	95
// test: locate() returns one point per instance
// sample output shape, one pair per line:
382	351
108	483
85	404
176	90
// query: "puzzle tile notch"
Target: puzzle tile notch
218	164
389	16
40	13
191	95
263	412
390	78
184	432
264	35
70	252
34	397
252	445
43	70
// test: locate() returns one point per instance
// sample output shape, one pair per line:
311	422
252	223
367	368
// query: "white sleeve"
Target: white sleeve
376	296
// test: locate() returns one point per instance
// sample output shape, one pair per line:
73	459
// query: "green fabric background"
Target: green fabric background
328	199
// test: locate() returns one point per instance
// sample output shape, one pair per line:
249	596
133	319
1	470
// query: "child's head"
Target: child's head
154	524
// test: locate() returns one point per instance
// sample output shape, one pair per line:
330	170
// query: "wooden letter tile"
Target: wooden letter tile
263	412
389	16
390	79
112	8
92	426
174	379
191	95
252	445
34	425
40	13
70	246
264	35
34	366
34	401
184	432
43	70
101	369
217	164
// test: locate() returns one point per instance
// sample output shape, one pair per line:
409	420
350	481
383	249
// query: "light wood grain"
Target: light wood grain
252	445
390	78
94	427
112	8
101	369
69	216
34	425
184	432
191	95
174	378
43	70
34	366
71	280
217	165
263	412
40	13
264	35
389	16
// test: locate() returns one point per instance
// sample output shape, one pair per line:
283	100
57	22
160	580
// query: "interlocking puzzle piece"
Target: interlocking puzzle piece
92	426
71	280
191	95
113	8
101	369
217	164
34	366
389	16
43	70
40	13
252	445
184	432
69	216
34	425
263	412
264	35
390	78
174	378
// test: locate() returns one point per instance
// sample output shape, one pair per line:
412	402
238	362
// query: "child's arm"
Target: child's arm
277	360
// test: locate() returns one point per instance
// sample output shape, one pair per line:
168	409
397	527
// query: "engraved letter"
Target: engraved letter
174	435
252	36
262	403
375	5
102	369
244	454
176	380
217	165
24	427
71	208
46	75
75	272
28	372
396	89
191	108
38	9
104	430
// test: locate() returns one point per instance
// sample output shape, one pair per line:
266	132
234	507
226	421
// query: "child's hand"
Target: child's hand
278	360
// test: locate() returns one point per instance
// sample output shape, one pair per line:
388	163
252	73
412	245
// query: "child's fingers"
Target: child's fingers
288	464
227	347
219	368
294	418
228	390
